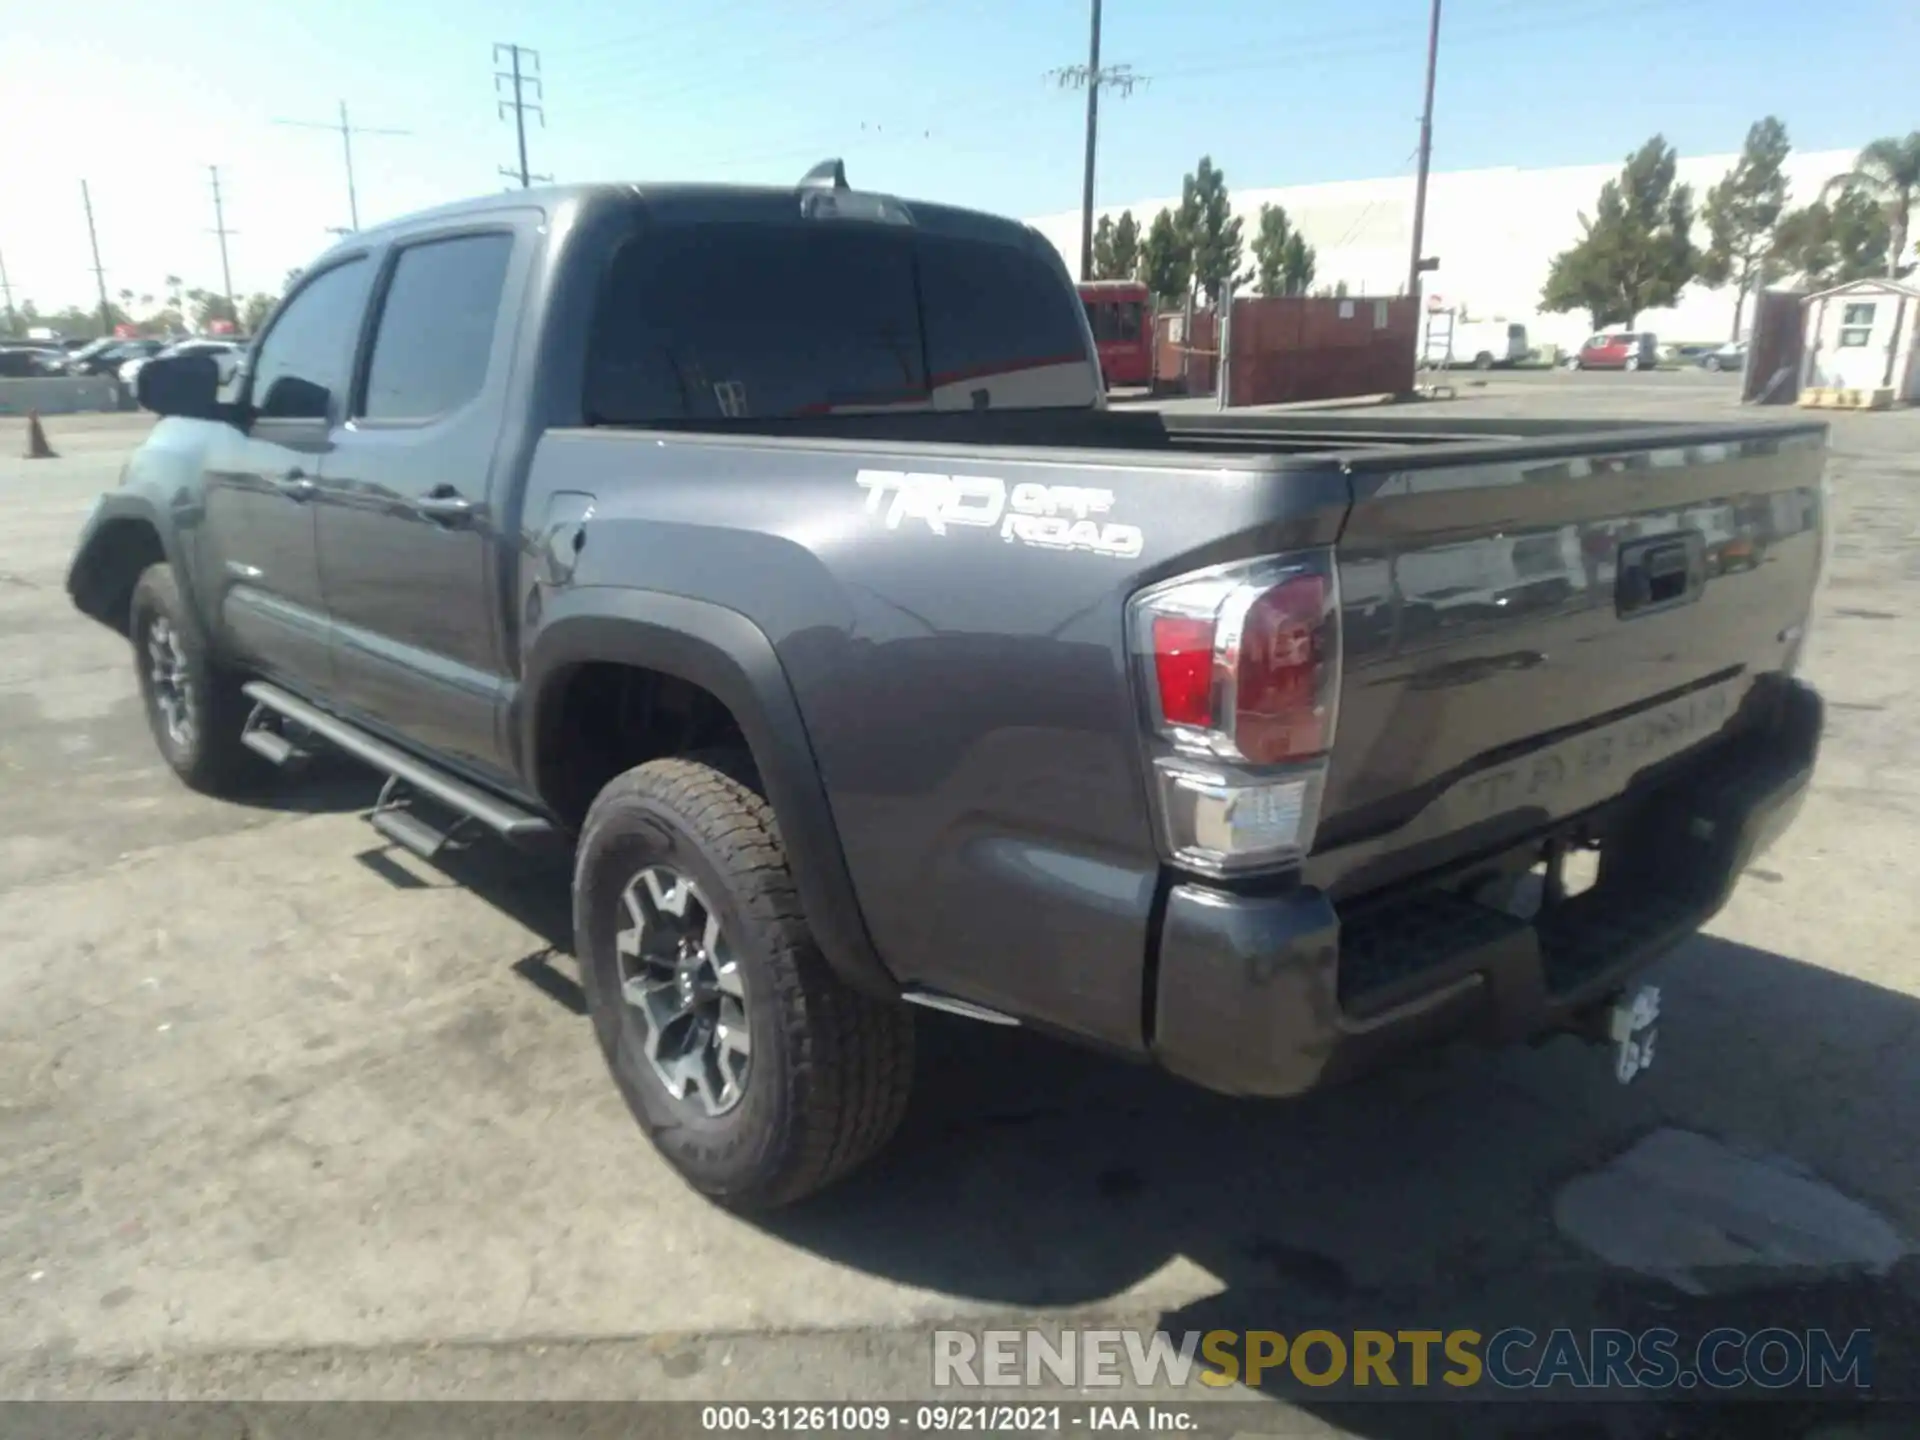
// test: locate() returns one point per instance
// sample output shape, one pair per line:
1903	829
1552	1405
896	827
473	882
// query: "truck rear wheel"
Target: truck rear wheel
194	708
755	1071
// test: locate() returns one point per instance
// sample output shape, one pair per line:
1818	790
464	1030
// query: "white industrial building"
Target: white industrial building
1494	231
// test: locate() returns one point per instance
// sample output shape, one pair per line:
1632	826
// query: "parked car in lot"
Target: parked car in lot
129	372
1731	356
775	553
1617	350
20	362
105	356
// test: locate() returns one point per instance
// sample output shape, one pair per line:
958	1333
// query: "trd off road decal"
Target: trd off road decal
1052	517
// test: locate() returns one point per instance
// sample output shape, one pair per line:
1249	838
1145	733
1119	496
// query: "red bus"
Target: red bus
1121	314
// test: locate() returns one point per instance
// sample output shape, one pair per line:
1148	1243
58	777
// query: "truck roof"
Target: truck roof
716	200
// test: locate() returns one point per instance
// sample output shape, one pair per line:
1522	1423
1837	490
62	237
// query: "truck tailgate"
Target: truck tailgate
1526	630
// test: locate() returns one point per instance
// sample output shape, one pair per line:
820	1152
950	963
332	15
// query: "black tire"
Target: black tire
206	753
1483	361
830	1067
1712	362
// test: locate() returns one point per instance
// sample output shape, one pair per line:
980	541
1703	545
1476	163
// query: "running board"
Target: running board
502	817
272	745
393	816
934	1000
276	749
409	831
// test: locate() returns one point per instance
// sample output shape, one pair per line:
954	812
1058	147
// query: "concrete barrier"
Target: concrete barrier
62	395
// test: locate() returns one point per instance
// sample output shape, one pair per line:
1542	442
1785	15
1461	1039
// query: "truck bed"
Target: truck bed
1292	433
974	709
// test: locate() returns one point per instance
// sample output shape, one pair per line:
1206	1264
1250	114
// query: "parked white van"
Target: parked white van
1482	344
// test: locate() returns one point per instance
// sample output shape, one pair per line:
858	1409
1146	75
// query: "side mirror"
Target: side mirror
185	385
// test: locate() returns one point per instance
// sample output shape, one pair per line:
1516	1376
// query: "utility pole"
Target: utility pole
1093	130
6	292
1091	77
520	78
1418	264
220	229
347	131
99	275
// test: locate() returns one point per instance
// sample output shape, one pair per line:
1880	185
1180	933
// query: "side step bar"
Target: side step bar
406	774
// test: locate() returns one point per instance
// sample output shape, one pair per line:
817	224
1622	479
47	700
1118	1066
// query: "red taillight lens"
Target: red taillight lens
1243	661
1240	665
1183	668
1280	710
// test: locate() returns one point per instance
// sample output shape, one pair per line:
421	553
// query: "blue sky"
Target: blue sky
933	98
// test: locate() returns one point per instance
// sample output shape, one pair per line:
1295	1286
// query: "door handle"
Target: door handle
446	507
296	486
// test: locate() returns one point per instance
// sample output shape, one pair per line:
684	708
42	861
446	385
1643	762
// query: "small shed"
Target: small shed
1860	344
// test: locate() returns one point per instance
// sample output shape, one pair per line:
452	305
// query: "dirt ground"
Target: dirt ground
284	1112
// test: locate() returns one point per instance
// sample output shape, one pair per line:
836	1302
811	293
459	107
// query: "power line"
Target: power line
346	130
220	229
1362	44
99	275
520	105
785	51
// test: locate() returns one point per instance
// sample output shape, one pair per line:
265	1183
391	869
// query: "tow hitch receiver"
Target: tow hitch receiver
1631	1026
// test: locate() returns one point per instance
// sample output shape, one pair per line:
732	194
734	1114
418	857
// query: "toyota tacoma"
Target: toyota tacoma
775	551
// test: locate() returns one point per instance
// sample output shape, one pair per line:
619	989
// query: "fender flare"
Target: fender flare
88	584
726	654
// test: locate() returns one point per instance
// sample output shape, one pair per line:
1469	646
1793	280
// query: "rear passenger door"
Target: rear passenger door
410	528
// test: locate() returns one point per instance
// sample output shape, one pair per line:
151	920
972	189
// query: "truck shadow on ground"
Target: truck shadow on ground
327	783
1033	1176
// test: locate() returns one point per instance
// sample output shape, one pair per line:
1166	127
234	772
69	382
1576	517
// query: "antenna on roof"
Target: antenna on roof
827	175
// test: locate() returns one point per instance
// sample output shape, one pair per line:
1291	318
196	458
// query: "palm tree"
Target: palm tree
1889	170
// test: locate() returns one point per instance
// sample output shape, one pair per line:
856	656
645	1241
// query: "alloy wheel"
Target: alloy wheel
167	671
679	977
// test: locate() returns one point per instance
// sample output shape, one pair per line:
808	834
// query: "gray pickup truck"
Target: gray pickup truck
775	549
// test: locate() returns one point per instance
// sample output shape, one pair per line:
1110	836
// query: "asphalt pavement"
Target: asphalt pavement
286	1113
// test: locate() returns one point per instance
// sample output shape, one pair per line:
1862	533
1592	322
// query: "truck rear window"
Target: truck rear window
744	321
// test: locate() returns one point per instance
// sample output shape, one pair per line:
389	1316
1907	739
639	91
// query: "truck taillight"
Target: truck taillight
1240	669
1183	669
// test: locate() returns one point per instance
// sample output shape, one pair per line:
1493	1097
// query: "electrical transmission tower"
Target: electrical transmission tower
1091	78
523	72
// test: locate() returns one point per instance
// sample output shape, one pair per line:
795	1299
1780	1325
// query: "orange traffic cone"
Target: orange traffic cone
37	447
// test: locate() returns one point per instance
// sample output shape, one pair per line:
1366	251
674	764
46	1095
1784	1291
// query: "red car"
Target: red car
1621	350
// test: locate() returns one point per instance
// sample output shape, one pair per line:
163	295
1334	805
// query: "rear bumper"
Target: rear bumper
1274	995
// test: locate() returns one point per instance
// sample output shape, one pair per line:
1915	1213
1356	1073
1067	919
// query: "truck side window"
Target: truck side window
435	332
731	320
304	360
